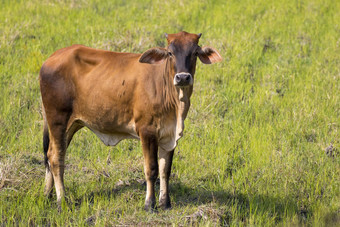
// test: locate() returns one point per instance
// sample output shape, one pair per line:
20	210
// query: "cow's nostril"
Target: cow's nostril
187	77
177	78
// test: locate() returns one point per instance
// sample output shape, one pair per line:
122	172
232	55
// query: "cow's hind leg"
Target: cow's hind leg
56	158
48	175
165	162
46	141
56	145
150	149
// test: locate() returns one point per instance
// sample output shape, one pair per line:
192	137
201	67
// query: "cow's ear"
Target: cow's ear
209	55
154	56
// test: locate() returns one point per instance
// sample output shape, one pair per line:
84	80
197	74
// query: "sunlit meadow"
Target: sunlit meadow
261	143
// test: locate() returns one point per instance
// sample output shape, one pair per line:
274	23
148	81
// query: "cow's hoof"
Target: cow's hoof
164	202
164	205
150	206
63	204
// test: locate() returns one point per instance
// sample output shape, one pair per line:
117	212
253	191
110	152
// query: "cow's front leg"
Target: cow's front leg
165	161
150	150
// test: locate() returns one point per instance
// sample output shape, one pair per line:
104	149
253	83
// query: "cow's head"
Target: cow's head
182	50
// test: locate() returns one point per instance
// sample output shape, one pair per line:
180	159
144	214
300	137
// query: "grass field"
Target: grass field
261	145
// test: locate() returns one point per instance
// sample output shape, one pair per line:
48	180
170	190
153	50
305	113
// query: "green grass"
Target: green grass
254	147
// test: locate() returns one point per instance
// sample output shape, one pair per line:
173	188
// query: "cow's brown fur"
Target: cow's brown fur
119	96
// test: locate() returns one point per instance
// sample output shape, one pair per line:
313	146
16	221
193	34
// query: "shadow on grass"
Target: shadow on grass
229	206
111	192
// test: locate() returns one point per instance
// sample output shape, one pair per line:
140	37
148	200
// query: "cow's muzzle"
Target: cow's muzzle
183	79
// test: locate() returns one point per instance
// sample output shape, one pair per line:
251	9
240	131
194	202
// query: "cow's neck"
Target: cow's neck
184	100
182	109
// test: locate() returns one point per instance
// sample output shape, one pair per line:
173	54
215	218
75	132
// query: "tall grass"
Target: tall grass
261	143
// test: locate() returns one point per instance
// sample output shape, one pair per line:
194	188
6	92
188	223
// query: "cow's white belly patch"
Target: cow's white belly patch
112	139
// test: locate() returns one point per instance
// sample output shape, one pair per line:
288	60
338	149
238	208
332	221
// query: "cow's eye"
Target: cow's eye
170	54
196	53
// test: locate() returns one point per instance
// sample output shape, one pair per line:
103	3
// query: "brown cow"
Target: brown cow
119	96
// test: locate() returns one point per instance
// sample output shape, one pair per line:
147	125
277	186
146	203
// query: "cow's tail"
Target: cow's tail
46	137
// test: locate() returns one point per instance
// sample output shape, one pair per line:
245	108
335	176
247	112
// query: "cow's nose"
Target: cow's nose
183	79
